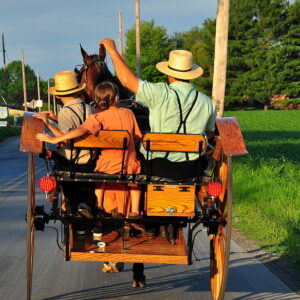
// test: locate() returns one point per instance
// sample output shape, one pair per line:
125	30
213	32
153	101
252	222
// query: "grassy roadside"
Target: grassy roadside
267	181
10	130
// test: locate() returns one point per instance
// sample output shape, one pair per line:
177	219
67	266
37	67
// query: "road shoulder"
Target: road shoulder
280	267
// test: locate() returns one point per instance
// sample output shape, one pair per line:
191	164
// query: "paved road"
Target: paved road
56	279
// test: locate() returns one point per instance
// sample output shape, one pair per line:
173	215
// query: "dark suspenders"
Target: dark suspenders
80	122
183	121
76	114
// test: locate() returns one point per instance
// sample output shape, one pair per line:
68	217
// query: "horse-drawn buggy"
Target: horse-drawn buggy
171	209
205	199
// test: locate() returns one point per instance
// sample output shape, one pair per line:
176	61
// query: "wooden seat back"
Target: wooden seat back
174	142
172	200
108	139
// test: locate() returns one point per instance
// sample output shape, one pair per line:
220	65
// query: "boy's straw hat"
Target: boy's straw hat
180	65
66	84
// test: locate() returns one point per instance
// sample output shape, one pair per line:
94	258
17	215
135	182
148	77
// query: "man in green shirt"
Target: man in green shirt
175	107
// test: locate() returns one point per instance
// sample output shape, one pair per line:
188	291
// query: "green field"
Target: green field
267	181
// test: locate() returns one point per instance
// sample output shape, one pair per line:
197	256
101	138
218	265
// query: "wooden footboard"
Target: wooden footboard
141	249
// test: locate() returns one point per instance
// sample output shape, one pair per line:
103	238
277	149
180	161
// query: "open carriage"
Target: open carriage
186	204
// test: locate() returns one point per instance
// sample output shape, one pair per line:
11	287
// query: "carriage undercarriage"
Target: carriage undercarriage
137	245
213	212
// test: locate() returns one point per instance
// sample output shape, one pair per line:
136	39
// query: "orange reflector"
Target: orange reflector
214	189
47	184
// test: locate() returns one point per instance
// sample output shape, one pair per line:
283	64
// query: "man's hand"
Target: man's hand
42	116
50	115
109	45
125	75
46	138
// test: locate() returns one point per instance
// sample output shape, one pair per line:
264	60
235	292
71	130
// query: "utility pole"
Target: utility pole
38	87
48	94
24	80
120	34
3	50
137	39
5	75
54	104
220	61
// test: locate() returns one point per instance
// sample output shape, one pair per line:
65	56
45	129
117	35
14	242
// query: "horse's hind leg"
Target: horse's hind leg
139	279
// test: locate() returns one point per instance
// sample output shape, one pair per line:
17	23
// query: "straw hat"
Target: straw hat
180	65
66	84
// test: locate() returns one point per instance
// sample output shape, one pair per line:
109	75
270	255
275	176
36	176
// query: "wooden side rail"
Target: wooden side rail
174	142
231	137
109	139
31	126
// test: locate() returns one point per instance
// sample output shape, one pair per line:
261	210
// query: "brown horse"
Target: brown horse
94	71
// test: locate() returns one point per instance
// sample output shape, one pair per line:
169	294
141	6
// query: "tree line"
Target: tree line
263	55
11	85
263	52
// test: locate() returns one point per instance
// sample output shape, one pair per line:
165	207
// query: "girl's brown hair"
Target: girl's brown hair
106	95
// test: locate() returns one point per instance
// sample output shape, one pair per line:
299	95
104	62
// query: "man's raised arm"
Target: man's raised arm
124	73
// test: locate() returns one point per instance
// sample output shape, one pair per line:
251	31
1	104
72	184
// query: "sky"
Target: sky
50	32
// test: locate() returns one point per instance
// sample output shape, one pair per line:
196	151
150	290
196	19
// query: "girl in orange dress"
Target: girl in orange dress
111	197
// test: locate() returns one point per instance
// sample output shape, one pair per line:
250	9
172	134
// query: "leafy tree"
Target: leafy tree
271	27
287	56
257	34
178	39
11	84
263	51
241	41
155	47
201	42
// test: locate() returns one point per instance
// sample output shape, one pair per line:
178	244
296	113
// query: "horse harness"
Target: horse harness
85	67
182	121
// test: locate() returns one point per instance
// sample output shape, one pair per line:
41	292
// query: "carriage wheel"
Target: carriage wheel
30	222
220	242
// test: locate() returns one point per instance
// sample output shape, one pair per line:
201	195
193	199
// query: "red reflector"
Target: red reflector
47	184
214	189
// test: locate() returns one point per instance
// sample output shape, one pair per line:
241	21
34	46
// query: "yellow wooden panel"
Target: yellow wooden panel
112	139
125	257
174	142
170	200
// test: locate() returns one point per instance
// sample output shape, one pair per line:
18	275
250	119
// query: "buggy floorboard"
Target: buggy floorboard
130	249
